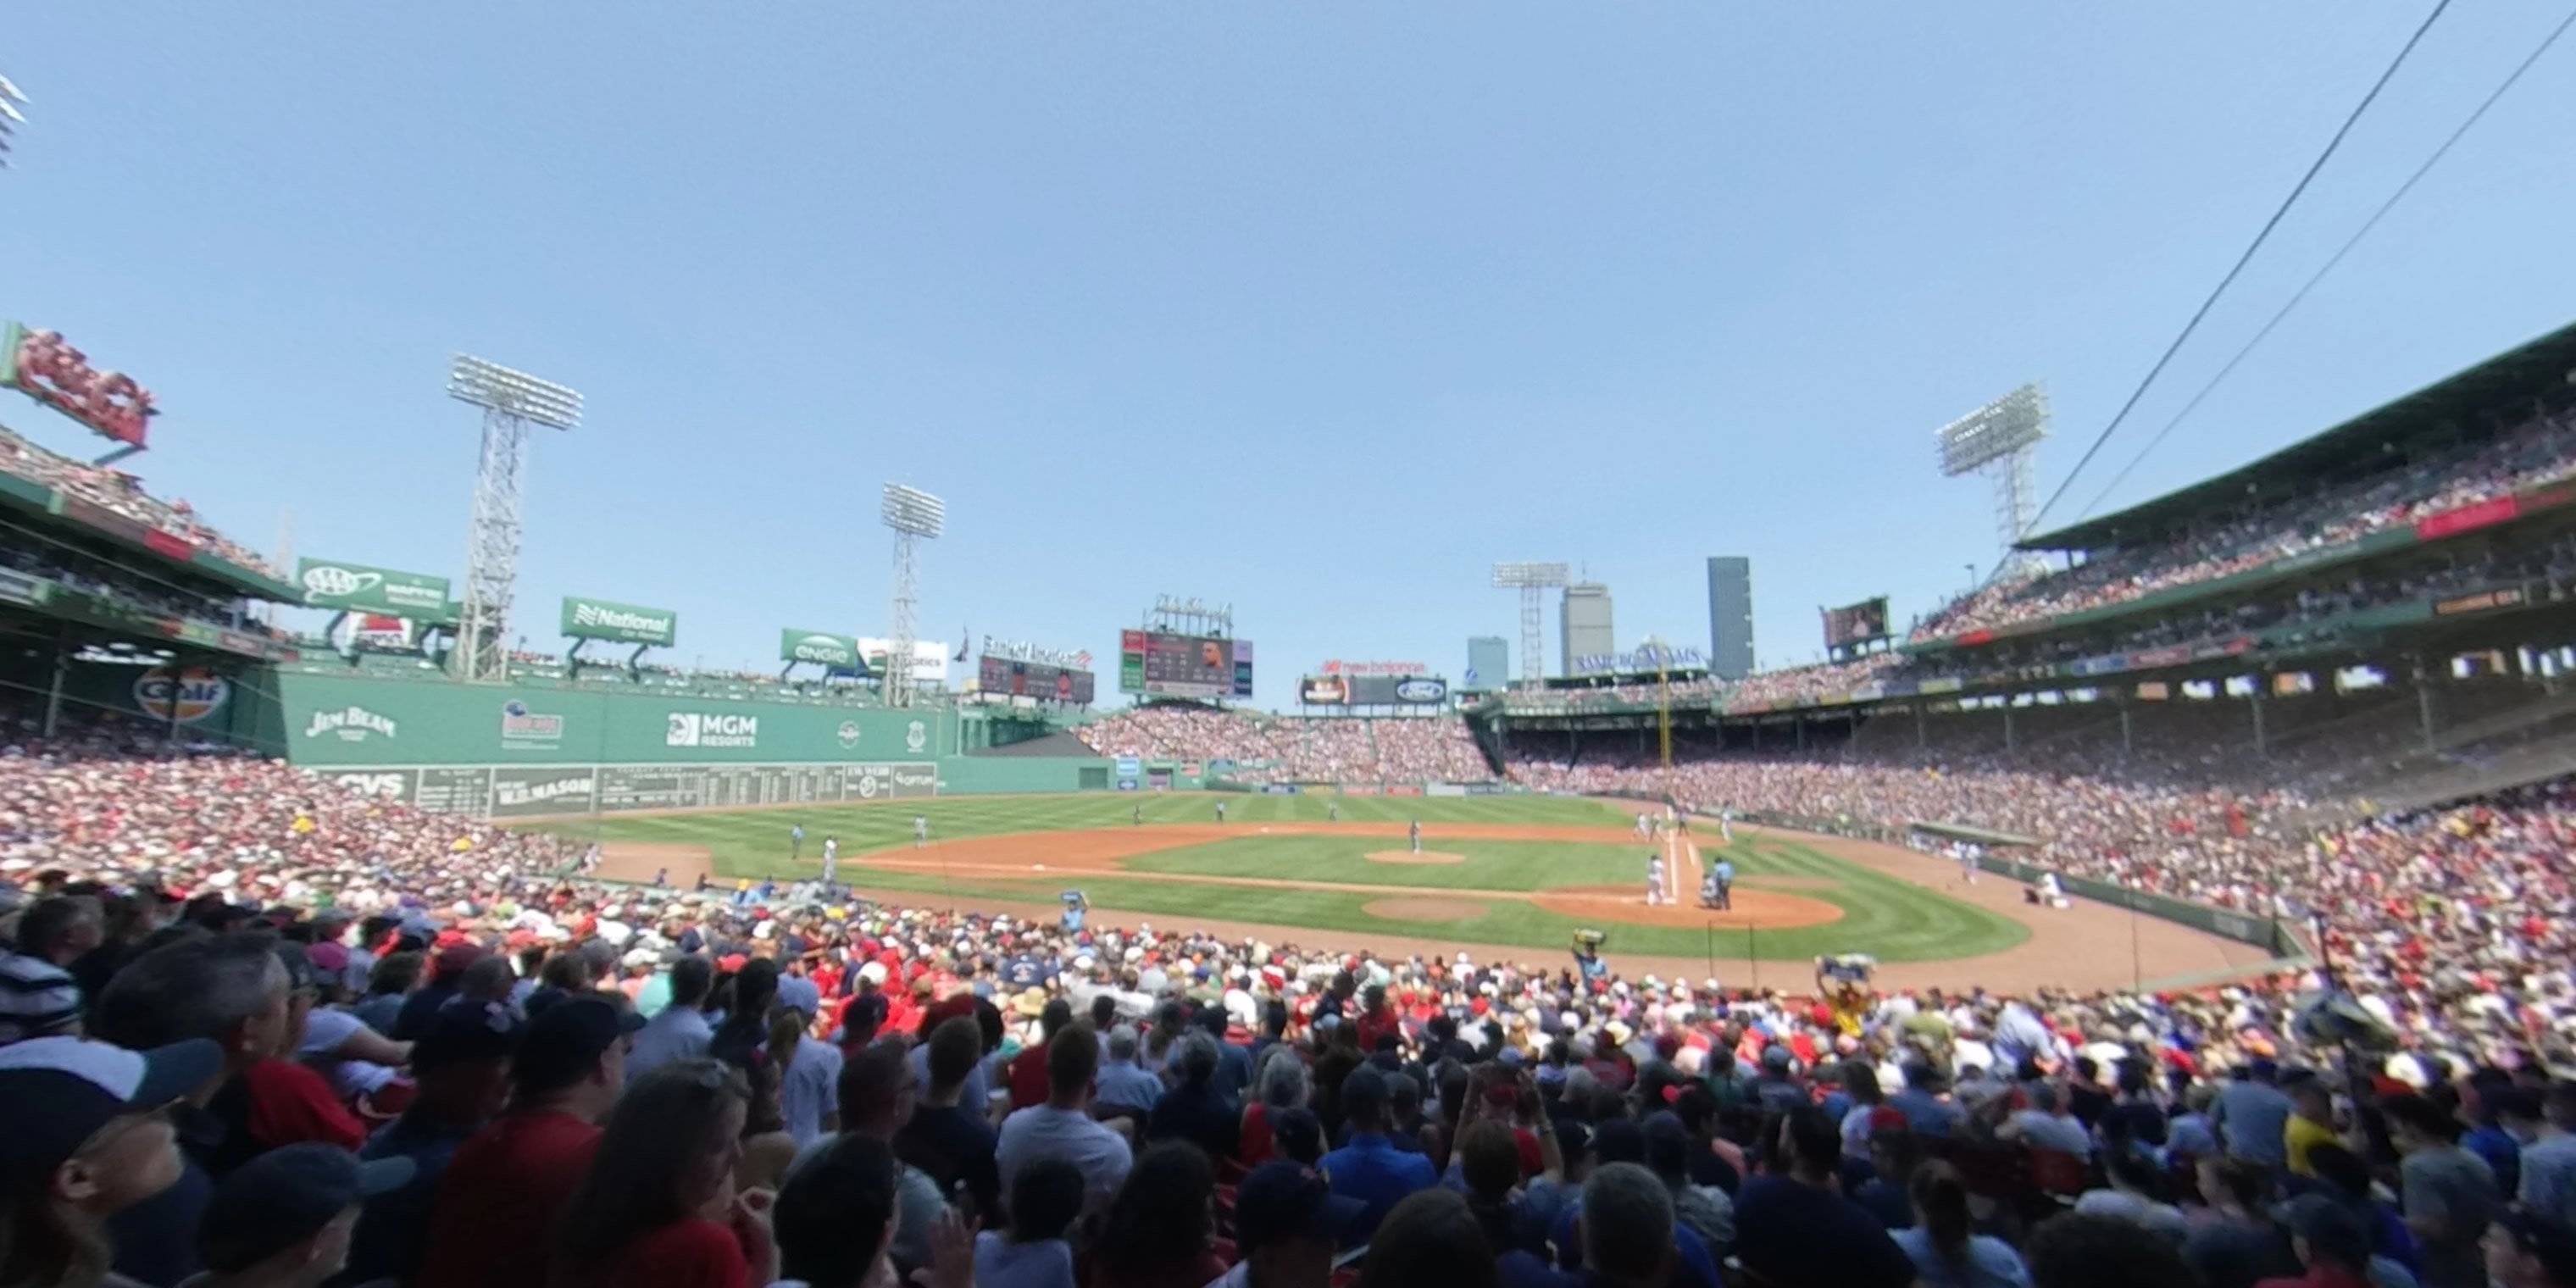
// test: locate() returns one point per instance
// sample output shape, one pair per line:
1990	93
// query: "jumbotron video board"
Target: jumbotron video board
1856	623
1040	680
1183	666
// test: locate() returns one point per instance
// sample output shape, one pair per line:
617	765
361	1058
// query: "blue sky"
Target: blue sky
1316	309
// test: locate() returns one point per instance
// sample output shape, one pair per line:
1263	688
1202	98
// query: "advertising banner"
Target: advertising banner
1279	789
334	720
516	792
2466	518
839	652
1404	791
1339	667
1035	681
358	588
600	619
1372	691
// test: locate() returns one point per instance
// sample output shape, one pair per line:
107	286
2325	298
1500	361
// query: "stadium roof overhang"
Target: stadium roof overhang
2501	391
61	510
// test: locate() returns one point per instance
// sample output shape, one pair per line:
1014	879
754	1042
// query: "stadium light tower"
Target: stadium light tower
2000	440
10	119
1532	580
914	515
511	402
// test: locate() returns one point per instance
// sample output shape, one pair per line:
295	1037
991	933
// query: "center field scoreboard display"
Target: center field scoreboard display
1856	623
1183	666
1042	681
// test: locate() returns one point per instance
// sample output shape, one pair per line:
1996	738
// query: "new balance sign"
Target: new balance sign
696	729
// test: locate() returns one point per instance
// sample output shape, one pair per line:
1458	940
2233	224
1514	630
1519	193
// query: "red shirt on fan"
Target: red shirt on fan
694	1253
497	1204
291	1104
1029	1077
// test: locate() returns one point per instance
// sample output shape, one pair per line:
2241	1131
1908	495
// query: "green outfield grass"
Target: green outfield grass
1895	920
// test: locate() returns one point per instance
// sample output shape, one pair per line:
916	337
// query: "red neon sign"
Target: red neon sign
43	367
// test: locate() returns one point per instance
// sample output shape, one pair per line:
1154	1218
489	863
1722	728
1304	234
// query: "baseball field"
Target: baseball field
1520	874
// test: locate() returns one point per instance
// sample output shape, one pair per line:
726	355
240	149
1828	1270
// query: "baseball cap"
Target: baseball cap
56	1093
1296	1129
1364	1092
284	1197
1283	1200
557	1047
36	999
464	1031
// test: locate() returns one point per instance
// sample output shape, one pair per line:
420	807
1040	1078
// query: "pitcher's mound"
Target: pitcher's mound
1626	905
1408	856
1423	909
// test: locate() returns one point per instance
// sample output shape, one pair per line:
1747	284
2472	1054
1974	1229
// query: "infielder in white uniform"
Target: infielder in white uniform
1655	892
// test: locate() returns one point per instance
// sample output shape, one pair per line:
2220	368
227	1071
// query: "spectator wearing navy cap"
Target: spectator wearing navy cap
1370	1169
505	1185
1795	1230
835	1216
1286	1224
85	1134
232	992
1198	1108
284	1219
461	1068
38	996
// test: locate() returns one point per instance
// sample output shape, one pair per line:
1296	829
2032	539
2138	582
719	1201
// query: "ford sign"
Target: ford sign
1421	691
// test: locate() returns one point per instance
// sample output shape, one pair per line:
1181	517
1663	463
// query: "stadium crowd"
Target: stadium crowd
120	493
2540	452
355	1042
1295	749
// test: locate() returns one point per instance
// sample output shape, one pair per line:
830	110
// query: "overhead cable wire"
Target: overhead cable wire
2332	146
2296	299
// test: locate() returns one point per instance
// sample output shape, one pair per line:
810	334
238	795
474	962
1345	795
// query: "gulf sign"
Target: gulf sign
194	694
